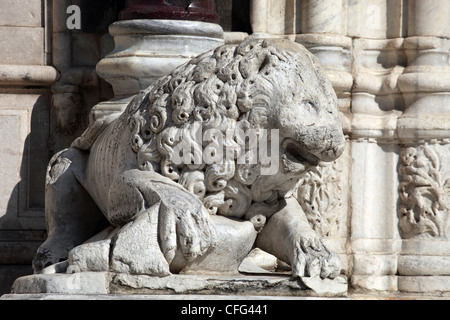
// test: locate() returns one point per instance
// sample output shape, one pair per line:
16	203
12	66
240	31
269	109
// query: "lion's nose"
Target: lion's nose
334	152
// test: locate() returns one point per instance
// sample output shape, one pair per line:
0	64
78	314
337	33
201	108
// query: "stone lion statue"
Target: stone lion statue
178	182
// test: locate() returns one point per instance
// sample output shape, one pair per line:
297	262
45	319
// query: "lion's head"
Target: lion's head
272	89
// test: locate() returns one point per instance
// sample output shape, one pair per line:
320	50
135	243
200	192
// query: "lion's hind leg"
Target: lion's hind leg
71	215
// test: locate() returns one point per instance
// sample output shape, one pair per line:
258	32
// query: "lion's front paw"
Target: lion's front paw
312	258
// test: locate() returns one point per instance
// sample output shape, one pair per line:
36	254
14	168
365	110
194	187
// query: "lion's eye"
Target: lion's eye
311	107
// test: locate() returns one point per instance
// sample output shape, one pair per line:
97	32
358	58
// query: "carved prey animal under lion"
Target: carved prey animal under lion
195	217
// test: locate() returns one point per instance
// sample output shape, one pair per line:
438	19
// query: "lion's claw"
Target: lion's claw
312	258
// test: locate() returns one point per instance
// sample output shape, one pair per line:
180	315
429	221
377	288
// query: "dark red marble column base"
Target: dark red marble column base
200	10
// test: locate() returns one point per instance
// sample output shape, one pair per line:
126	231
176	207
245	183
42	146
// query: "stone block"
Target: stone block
76	283
424	265
374	283
428	247
23	13
24	153
371	264
376	245
13	133
27	47
424	284
156	298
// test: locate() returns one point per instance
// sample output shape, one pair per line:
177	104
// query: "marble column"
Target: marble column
378	60
424	130
323	32
158	37
275	17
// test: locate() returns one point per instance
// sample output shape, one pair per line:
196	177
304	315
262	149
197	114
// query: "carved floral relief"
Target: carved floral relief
424	191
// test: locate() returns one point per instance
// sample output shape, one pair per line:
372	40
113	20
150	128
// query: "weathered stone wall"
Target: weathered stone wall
47	86
25	80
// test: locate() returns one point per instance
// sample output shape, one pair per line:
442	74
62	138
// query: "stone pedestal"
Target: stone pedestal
147	50
152	38
424	266
105	283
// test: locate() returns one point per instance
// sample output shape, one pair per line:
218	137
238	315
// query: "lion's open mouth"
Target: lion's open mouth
297	154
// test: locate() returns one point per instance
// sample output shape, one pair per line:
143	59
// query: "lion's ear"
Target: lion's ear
254	62
248	45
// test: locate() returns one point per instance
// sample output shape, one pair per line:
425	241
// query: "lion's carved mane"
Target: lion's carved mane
231	87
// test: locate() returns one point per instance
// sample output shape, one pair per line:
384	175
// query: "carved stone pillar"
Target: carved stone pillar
378	61
147	49
324	29
268	16
424	263
376	105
